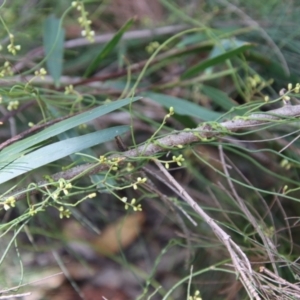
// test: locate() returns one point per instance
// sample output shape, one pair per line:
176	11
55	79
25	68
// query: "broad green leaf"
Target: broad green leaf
184	107
195	70
58	150
95	178
218	97
9	153
71	133
225	45
108	48
54	37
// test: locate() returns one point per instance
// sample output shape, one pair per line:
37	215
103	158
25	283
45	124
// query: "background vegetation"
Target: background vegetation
149	149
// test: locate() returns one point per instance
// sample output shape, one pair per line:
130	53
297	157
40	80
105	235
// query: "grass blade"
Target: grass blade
195	70
9	153
54	37
58	150
108	48
184	107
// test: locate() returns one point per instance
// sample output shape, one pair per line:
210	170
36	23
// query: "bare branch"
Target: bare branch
173	140
104	38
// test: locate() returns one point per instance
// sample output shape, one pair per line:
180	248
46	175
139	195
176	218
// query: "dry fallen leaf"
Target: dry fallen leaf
119	234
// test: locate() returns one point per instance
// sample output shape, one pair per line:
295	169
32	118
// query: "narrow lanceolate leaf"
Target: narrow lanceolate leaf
184	107
55	151
54	37
12	152
218	97
195	70
108	48
273	68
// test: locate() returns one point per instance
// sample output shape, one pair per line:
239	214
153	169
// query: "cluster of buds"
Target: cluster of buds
171	112
12	48
6	70
177	159
13	105
132	203
254	81
129	167
69	89
9	202
196	296
296	89
41	73
63	186
114	162
84	22
152	47
139	181
64	213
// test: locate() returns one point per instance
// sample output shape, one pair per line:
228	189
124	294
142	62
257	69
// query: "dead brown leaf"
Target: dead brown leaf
119	234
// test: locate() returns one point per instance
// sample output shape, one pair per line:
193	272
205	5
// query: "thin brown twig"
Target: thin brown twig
101	39
280	280
259	196
288	228
239	259
267	242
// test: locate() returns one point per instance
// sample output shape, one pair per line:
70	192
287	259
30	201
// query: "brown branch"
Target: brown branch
172	141
101	39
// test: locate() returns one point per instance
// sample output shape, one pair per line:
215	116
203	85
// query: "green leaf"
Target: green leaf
218	97
184	107
198	37
9	153
108	48
192	39
71	133
54	37
55	151
273	68
195	70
